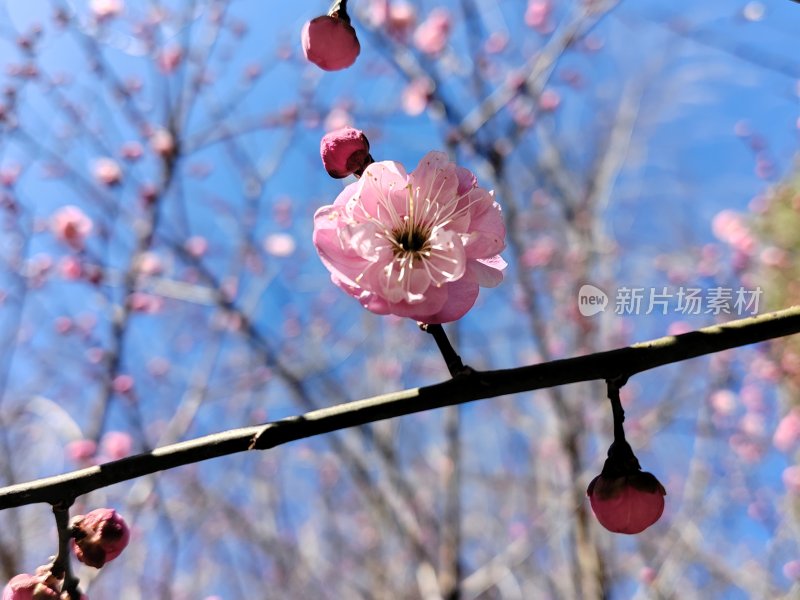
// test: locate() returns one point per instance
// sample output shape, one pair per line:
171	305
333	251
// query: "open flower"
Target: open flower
433	33
99	536
107	171
415	245
624	498
71	225
106	9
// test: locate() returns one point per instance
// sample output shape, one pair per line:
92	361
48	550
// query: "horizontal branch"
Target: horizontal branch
466	387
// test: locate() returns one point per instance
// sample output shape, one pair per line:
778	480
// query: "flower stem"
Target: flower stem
617	411
451	357
61	563
339	10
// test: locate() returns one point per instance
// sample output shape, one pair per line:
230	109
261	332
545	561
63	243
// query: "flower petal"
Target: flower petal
447	261
382	194
461	296
487	232
487	272
343	262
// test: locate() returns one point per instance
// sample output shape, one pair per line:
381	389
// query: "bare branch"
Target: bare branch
467	387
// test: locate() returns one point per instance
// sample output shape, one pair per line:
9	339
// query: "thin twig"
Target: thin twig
471	386
61	564
451	357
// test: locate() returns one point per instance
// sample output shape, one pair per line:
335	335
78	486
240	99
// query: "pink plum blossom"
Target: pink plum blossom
416	96
731	228
537	15
774	257
549	100
107	171
162	142
158	366
279	244
9	174
99	536
123	384
787	434
495	43
345	152
400	19
753	11
116	444
433	33
106	9
415	245
149	263
791	570
169	59
723	402
540	253
791	479
131	151
330	43
648	575
196	246
71	225
63	325
143	302
338	118
678	328
80	450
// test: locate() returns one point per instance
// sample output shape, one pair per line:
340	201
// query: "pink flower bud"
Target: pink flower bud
21	587
345	152
41	586
330	43
628	504
99	537
624	498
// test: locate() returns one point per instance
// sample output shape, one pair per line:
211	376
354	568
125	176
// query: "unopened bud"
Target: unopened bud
345	152
99	536
330	42
624	498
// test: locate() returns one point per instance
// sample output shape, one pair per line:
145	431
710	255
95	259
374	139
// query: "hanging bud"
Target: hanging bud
329	41
99	537
345	152
624	498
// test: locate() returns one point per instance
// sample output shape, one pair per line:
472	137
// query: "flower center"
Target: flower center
410	240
